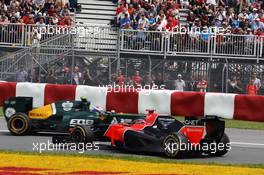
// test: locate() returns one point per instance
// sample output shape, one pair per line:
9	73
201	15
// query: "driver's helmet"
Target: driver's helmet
84	99
97	109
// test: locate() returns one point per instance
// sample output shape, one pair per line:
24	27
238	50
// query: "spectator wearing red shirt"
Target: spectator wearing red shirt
120	9
251	88
26	17
170	26
202	85
120	79
137	79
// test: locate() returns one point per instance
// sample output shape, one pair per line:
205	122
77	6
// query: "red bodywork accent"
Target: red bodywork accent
116	131
193	133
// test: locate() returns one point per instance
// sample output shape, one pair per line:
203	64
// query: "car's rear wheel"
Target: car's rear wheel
81	134
172	143
223	148
19	124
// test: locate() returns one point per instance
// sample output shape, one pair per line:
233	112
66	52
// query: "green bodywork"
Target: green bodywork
68	114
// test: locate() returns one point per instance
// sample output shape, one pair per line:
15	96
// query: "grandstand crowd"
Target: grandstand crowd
233	16
39	12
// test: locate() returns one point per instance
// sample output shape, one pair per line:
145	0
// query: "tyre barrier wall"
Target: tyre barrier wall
228	106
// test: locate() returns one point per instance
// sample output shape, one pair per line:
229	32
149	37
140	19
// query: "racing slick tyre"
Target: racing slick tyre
81	134
19	124
225	147
172	143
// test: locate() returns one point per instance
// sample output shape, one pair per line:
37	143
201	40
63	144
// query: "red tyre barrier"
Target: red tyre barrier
125	101
7	90
229	106
250	108
55	93
187	104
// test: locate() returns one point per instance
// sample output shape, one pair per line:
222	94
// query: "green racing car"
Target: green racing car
62	117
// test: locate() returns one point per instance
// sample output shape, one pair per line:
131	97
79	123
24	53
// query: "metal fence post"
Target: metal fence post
118	51
23	35
73	57
110	70
227	75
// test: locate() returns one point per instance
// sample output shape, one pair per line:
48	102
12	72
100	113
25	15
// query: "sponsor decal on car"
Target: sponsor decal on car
9	112
75	122
43	112
67	106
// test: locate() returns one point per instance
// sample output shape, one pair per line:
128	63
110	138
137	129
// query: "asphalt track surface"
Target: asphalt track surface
247	146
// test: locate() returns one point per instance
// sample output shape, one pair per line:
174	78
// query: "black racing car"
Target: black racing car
165	134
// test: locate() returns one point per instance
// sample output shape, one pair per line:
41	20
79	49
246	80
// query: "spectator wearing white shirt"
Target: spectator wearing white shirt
143	21
179	84
257	81
163	23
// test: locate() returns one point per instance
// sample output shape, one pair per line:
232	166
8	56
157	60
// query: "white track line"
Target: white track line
250	144
4	131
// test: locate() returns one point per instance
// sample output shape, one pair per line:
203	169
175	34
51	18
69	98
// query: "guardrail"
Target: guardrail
21	35
113	40
143	41
200	45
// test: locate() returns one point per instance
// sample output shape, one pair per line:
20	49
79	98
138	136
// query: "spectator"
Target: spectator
122	15
152	22
77	76
120	79
50	78
31	11
159	81
202	85
67	76
21	75
148	82
131	9
257	24
256	81
143	21
234	86
36	43
87	78
252	88
136	79
179	84
162	23
192	84
152	10
125	23
253	16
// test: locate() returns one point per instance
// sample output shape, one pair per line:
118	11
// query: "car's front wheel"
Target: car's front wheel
19	124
